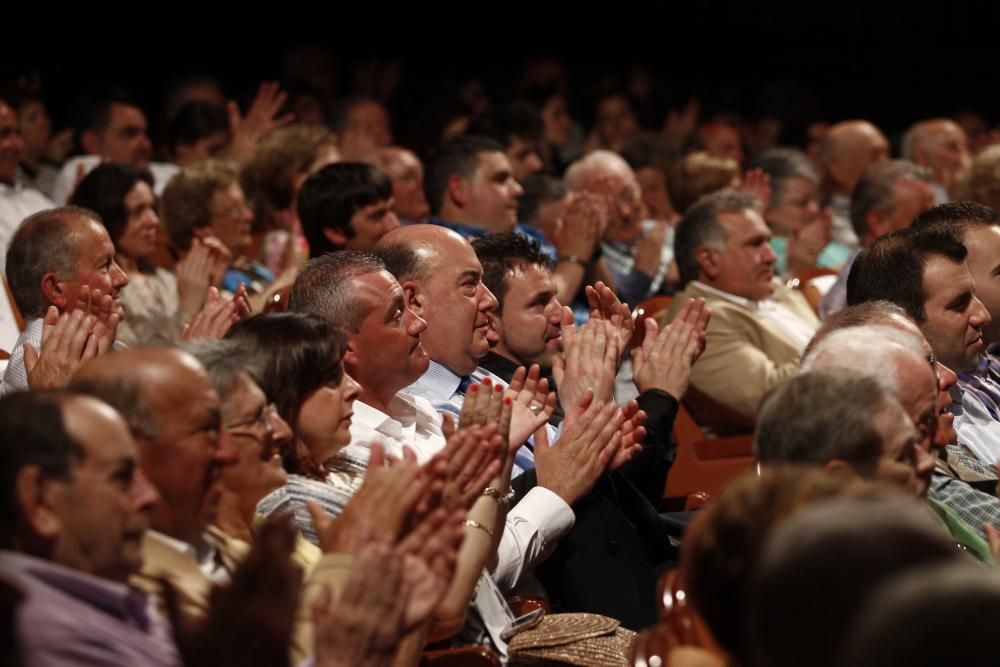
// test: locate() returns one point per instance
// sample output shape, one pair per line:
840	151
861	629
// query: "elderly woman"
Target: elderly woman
207	200
157	303
302	372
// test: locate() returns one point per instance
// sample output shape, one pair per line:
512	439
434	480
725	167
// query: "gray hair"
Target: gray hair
700	228
782	165
324	287
225	360
822	415
871	347
45	242
874	190
581	173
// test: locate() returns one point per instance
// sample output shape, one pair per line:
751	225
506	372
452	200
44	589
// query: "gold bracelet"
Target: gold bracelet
504	500
469	523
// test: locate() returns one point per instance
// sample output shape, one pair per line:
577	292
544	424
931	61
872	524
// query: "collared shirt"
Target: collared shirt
205	554
536	523
69	617
977	410
412	422
770	310
835	298
633	285
973	506
17	203
841	229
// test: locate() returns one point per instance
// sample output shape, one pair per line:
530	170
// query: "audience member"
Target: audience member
940	145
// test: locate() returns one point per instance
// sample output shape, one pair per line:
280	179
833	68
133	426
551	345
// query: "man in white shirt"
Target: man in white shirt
386	353
758	328
115	130
16	201
56	257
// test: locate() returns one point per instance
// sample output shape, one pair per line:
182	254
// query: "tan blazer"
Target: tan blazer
745	355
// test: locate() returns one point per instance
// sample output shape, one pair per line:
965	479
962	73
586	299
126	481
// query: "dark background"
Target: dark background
892	63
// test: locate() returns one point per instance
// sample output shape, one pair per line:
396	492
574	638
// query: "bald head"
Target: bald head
848	149
940	145
167	399
585	173
442	283
407	174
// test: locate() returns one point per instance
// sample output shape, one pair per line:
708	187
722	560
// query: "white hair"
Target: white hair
593	165
873	348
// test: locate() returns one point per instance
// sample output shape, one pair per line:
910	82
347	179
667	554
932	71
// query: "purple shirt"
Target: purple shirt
69	617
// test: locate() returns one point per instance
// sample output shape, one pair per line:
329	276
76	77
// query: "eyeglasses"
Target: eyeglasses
252	426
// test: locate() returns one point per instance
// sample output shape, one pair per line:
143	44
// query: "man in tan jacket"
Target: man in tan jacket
758	328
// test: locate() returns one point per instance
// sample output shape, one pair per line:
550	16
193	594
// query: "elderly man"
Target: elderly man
404	168
621	508
848	149
845	419
940	145
888	197
114	130
758	327
346	206
878	335
16	201
175	414
61	260
636	255
923	269
75	511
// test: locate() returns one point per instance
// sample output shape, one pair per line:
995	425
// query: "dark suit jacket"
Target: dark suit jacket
610	561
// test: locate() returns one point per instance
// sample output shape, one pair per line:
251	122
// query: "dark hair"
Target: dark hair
456	156
44	242
956	217
501	253
892	269
33	432
103	191
324	287
303	352
505	123
195	121
332	195
95	112
649	149
539	190
401	258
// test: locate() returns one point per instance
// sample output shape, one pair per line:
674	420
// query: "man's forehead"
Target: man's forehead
126	113
97	428
743	223
377	286
491	162
943	275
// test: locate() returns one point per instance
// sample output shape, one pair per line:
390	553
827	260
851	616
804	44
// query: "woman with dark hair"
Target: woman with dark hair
301	370
157	303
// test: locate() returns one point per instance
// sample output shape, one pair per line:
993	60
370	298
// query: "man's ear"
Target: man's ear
839	466
414	297
458	191
33	497
351	353
876	222
335	236
91	142
705	257
54	291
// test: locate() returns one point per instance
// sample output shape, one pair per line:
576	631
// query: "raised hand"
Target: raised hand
757	184
605	305
68	340
214	319
665	358
261	120
532	404
590	362
471	458
586	448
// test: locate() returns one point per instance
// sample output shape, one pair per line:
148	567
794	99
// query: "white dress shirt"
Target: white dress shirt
534	525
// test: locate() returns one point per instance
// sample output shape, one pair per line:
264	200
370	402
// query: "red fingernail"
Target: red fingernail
473	389
487	381
499	389
506	401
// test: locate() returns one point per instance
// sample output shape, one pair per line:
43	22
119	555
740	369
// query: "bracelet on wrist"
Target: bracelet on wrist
503	499
469	523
